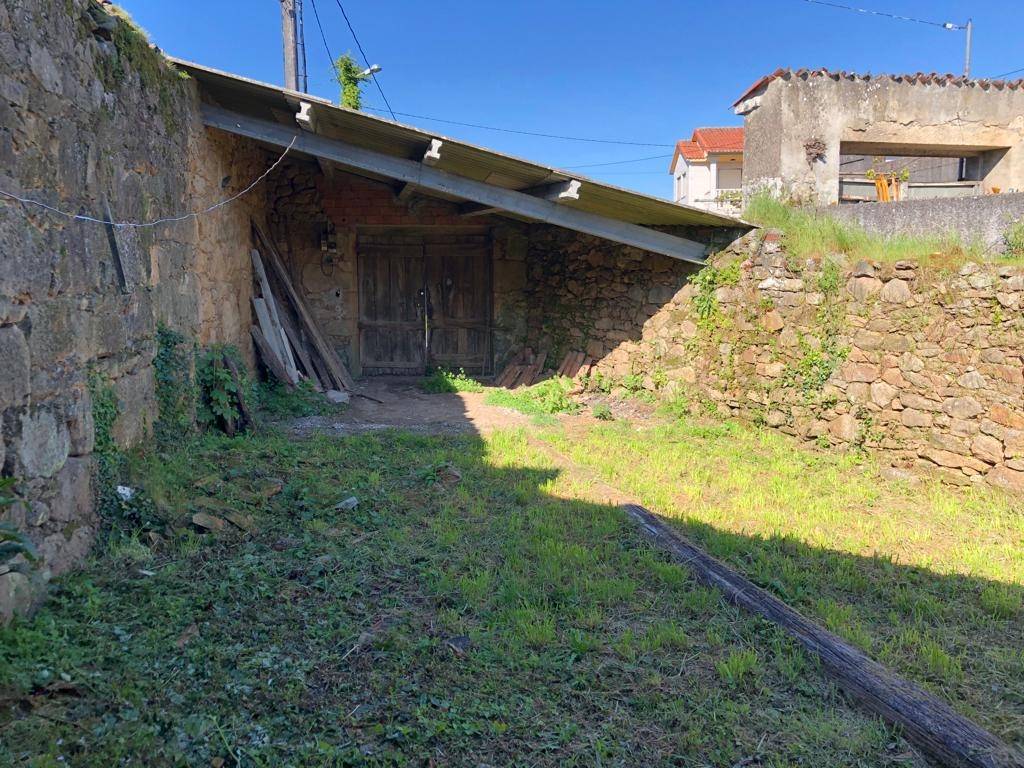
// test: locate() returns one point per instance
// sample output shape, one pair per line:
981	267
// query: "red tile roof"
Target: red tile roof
920	78
708	140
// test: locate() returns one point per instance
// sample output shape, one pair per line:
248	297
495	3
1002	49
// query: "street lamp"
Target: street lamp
373	70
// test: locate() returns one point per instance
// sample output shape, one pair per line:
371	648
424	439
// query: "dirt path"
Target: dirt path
403	405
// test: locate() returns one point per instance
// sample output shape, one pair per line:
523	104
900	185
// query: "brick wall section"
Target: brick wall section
351	200
923	366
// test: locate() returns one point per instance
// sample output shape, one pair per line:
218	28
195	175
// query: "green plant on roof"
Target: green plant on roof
351	78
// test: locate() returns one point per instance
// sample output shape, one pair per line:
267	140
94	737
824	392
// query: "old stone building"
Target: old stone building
800	123
411	249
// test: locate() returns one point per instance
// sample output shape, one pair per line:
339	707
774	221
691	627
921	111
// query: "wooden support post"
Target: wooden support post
927	721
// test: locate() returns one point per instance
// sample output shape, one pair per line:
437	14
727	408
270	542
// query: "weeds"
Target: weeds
809	233
548	397
442	380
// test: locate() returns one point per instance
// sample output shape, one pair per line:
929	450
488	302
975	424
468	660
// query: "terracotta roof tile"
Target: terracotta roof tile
707	140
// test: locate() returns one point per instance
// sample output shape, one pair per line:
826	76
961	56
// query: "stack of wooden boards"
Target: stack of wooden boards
522	370
526	368
289	341
576	365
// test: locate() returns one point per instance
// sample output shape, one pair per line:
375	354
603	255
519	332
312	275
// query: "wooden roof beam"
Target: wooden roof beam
437	180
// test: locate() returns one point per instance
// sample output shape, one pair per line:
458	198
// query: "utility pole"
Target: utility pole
289	40
967	54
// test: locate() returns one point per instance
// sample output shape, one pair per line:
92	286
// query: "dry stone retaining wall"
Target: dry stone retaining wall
923	364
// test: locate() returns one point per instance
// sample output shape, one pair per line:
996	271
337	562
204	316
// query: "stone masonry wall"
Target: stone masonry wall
588	294
921	364
91	120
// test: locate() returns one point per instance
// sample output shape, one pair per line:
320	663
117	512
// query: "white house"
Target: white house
707	170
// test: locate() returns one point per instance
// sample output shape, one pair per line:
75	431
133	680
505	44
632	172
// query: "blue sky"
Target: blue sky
641	71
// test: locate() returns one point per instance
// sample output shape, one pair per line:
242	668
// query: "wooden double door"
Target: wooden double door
424	301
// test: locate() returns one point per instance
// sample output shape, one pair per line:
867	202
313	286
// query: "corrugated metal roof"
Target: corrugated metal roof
272	102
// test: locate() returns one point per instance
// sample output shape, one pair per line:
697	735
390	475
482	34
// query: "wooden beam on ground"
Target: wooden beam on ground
926	721
558	192
434	179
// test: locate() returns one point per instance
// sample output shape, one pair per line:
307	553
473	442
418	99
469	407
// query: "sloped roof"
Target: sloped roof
919	78
241	94
705	141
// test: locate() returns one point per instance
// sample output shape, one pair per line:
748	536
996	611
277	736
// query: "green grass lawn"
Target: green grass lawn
927	579
469	611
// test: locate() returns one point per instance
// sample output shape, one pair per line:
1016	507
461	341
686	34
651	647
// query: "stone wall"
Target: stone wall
981	220
921	364
588	294
92	120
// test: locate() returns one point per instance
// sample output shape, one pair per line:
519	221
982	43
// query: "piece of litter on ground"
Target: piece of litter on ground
125	493
347	505
144	572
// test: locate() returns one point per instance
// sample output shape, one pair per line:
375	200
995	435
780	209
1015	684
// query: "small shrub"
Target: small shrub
279	402
1013	238
441	380
548	397
603	412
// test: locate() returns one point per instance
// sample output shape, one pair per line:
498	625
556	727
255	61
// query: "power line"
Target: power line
619	162
366	59
869	12
155	222
522	133
323	37
1011	72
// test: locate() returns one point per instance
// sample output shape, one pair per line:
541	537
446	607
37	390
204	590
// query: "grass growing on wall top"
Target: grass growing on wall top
809	233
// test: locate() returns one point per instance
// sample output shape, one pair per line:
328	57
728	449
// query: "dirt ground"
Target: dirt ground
399	403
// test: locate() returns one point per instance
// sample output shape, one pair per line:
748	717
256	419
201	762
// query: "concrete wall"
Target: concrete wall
880	115
982	220
85	119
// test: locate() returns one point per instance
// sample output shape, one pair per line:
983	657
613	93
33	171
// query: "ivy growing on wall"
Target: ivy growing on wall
175	386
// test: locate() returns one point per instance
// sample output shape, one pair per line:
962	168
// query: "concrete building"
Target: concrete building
707	170
801	124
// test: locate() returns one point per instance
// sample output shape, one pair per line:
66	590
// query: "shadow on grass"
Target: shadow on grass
467	611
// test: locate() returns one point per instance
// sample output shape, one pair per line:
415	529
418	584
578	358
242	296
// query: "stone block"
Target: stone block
865	372
987	448
136	406
14	371
772	321
843	428
44	443
863	287
1006	416
971	380
962	407
911	417
896	292
882	393
1006	478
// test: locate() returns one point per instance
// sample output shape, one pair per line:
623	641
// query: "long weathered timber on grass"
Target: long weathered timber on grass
927	721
